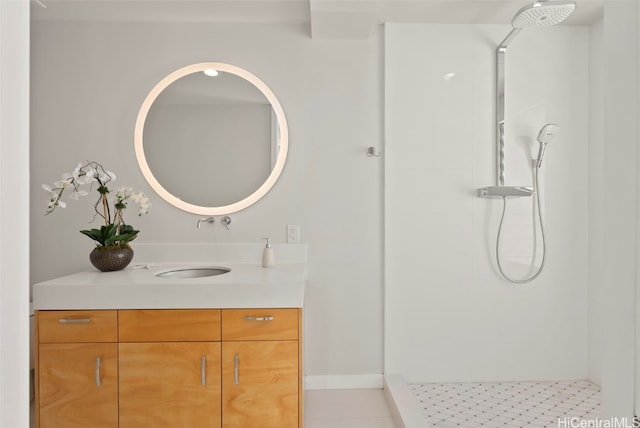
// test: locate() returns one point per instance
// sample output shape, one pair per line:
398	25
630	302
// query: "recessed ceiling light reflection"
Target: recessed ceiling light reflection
449	76
211	72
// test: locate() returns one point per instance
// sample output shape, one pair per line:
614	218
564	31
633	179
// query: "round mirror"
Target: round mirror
211	138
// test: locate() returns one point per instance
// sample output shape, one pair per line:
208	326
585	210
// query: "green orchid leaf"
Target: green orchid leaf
107	235
94	234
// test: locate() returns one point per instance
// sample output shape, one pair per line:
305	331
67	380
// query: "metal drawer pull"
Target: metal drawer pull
267	318
74	320
203	370
236	369
98	364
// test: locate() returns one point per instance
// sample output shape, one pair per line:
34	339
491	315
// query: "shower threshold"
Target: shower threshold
491	404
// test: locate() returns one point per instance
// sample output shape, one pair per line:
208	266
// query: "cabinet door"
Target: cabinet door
78	385
260	384
169	384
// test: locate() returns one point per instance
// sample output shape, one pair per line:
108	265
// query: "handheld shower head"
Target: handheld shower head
543	14
547	133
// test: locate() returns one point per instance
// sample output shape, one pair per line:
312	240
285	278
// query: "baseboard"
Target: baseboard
373	381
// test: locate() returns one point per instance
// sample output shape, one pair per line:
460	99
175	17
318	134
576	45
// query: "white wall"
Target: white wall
613	205
88	82
14	221
448	314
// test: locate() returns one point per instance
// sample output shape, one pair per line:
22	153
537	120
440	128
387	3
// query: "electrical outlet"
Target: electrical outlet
293	234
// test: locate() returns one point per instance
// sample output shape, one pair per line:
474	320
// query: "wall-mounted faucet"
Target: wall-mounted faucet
226	220
209	220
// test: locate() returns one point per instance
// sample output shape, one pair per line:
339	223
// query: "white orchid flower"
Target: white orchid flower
106	176
84	178
90	175
144	208
76	172
77	194
122	194
61	184
87	174
142	201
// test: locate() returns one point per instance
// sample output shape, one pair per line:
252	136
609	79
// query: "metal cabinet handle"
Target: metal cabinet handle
236	369
74	320
267	318
203	370
98	364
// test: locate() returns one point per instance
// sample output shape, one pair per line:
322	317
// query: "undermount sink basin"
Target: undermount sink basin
198	272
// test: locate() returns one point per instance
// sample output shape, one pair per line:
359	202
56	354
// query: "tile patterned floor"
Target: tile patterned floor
507	404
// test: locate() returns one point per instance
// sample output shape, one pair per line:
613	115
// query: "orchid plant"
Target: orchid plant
115	233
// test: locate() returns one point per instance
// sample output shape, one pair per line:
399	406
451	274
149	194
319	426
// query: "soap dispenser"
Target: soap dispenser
268	259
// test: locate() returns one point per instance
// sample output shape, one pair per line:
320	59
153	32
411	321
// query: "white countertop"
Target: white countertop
248	285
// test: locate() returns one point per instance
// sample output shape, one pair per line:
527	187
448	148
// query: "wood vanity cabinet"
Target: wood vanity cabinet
192	368
260	368
169	362
77	363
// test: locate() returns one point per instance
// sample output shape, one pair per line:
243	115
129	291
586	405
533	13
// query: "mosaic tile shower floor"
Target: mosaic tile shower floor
507	404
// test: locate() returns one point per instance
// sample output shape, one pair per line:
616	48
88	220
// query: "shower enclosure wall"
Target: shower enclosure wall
449	317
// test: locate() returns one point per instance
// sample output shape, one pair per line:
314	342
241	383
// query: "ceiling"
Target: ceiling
327	18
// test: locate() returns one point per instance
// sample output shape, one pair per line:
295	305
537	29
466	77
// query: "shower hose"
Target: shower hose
544	244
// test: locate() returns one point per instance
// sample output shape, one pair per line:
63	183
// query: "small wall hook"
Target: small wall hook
372	151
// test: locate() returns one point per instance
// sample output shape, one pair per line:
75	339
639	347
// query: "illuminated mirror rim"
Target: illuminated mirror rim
197	209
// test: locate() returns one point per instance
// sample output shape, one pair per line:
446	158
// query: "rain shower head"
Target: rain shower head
539	14
543	14
547	133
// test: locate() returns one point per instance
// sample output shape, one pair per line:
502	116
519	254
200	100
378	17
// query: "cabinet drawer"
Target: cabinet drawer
169	325
260	324
77	326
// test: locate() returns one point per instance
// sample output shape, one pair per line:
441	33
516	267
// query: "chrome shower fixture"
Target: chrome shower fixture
538	14
547	133
543	14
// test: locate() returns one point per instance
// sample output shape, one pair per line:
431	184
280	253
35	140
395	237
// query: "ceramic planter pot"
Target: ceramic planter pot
111	260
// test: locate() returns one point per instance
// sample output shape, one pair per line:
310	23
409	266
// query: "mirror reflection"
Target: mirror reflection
210	139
